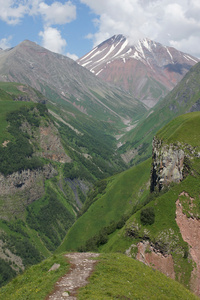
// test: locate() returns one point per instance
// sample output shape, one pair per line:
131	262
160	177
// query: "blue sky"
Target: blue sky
74	27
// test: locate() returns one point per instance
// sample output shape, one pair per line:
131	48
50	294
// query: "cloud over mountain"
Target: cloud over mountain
174	23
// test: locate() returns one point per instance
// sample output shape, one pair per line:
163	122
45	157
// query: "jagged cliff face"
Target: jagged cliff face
169	163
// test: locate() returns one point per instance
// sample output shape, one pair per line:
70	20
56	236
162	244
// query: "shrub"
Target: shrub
147	216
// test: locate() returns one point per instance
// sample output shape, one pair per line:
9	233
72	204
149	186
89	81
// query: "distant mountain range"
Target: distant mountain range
147	70
61	79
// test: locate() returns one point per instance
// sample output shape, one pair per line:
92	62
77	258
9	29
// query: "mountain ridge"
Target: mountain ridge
58	76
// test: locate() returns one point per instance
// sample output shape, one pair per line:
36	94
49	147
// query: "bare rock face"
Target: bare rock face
24	179
22	188
51	144
170	162
167	166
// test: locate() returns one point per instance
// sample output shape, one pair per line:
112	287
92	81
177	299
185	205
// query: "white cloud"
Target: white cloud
52	40
190	45
12	11
166	21
72	56
57	13
5	43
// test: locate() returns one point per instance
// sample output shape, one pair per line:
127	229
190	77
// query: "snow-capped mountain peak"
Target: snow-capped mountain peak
133	66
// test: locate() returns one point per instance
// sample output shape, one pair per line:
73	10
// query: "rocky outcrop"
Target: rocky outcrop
45	139
19	189
170	162
24	179
167	165
51	144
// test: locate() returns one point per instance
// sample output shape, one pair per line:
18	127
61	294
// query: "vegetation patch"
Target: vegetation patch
17	153
7	273
50	218
36	282
147	216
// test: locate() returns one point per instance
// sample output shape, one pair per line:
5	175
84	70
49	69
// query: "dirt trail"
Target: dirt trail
81	267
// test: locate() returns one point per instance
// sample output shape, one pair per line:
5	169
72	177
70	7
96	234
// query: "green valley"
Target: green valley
85	167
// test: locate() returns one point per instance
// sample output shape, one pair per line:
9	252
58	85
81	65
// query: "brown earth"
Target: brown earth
153	258
81	268
51	145
190	230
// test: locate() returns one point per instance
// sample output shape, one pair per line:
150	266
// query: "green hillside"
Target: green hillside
118	213
115	277
29	230
120	277
123	193
163	233
36	282
184	129
46	169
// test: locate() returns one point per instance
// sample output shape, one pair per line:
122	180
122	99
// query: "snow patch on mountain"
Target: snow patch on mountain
146	44
148	68
169	54
84	57
189	57
122	48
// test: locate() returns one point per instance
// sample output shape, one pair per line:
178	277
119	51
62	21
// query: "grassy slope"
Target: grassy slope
6	107
36	282
120	277
164	226
184	129
115	277
123	192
